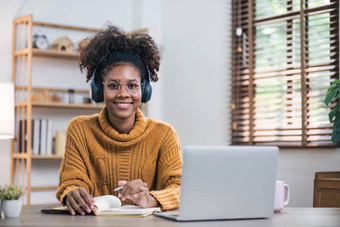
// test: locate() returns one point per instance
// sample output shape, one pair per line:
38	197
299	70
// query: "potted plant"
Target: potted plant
11	203
333	92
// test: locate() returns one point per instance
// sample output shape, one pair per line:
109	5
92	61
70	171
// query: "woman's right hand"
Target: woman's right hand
78	200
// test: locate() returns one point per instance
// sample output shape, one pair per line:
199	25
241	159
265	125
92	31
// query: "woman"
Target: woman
119	147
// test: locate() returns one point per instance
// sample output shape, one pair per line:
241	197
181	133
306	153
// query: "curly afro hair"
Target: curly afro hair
113	40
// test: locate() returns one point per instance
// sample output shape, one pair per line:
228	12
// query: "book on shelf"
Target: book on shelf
41	136
36	136
49	137
108	205
22	148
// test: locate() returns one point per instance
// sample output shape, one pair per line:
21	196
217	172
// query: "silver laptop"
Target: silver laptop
226	182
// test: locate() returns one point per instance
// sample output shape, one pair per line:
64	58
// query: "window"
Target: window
285	55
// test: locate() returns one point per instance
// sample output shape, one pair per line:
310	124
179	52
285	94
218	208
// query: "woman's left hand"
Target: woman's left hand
137	191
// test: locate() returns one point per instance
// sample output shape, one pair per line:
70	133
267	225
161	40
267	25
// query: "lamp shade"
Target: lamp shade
7	110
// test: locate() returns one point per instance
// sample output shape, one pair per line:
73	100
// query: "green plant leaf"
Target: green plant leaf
331	88
333	92
333	113
337	81
336	135
11	191
331	95
336	116
336	124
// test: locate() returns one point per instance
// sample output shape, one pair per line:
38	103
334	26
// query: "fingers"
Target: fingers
73	206
87	199
70	208
131	188
137	191
78	200
122	183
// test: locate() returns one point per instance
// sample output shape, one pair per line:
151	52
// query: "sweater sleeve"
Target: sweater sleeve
73	172
169	170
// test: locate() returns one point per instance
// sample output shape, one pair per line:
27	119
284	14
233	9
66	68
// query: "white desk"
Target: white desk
294	217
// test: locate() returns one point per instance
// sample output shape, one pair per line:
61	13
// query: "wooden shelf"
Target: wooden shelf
54	90
55	54
20	104
21	52
61	105
43	188
46	157
20	155
25	155
48	53
69	27
21	88
66	105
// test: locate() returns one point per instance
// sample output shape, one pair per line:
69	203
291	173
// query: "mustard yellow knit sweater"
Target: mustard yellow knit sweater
97	157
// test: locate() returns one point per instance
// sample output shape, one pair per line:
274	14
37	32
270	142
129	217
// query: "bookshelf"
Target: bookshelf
23	54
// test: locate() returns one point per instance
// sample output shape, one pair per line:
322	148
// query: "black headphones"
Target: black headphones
96	89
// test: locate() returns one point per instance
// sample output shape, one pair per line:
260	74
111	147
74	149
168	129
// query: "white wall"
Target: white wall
197	53
298	167
148	14
193	93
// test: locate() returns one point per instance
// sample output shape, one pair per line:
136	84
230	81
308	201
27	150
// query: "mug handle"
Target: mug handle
285	203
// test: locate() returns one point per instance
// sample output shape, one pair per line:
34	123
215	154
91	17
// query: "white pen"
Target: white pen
118	189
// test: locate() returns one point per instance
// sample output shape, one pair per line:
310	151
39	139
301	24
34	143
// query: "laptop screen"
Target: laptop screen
228	182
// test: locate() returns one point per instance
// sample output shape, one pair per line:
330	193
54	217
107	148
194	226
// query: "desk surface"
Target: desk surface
31	216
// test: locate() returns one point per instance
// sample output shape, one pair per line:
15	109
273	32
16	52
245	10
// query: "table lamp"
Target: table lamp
7	110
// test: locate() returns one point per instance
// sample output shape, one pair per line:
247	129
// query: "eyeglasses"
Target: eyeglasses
113	87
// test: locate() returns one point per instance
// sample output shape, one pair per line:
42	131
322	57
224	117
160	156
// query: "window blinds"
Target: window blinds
285	55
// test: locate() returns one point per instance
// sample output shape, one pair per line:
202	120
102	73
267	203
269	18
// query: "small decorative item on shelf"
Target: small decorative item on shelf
87	100
71	95
63	44
40	41
59	146
44	96
41	96
11	202
55	98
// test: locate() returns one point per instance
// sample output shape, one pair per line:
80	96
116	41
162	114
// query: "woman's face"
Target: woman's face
122	92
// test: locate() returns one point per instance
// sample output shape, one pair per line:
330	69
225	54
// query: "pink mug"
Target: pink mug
282	194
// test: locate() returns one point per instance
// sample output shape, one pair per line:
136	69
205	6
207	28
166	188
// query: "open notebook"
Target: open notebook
108	205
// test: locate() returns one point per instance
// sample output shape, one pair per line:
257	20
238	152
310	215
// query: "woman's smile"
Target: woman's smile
123	105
